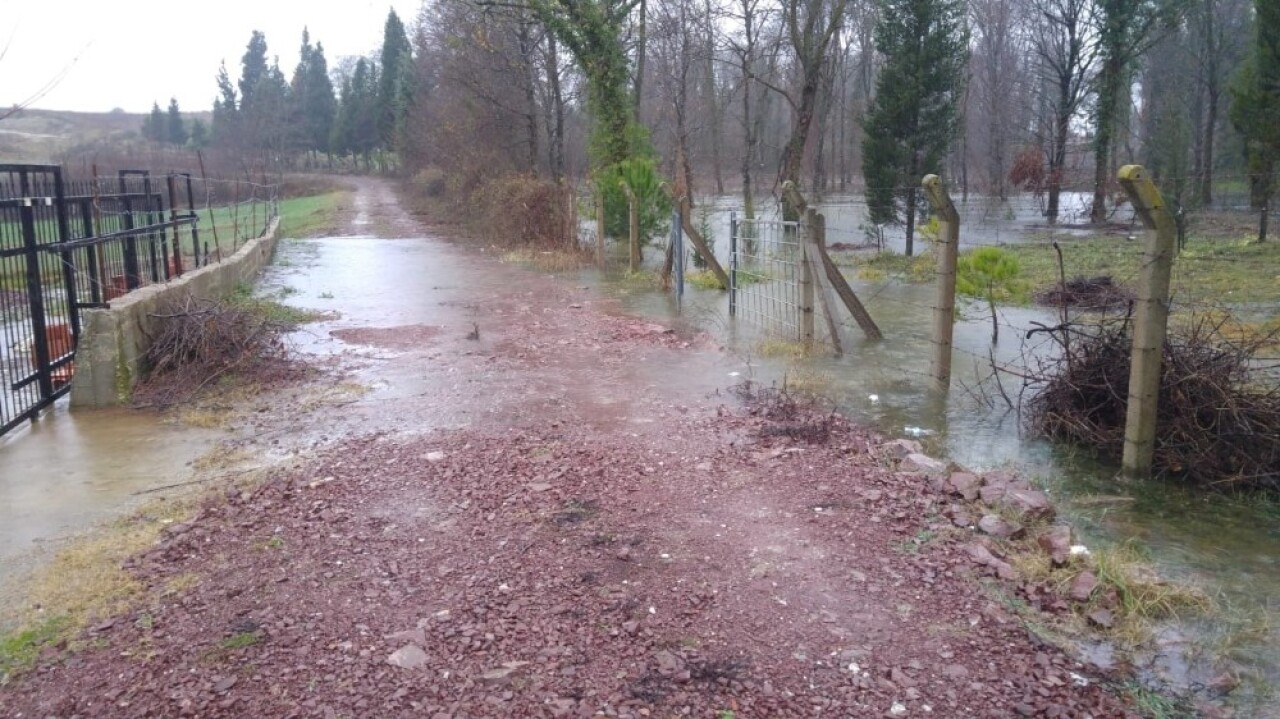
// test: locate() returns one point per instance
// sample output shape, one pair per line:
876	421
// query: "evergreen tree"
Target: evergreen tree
913	117
396	56
175	129
1256	105
312	97
226	116
199	134
153	128
253	69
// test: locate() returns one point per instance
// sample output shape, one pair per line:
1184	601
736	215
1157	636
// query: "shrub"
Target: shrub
524	210
430	182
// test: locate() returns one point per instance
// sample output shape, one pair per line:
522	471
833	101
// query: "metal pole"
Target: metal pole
1150	322
733	263
945	300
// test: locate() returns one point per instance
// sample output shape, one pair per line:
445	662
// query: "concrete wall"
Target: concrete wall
113	341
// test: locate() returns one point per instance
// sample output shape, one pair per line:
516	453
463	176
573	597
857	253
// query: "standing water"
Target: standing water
1227	546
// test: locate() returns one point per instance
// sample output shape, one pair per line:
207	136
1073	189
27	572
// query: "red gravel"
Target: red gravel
696	561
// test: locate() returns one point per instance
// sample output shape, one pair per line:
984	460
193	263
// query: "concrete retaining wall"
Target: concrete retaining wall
113	341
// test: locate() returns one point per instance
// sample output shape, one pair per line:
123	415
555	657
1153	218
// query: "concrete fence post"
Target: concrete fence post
944	305
1150	321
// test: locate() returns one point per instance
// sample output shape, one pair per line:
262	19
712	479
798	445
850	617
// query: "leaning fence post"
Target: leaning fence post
945	301
1150	320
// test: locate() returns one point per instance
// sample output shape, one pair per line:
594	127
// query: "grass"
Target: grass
239	640
84	583
553	260
1141	597
1154	705
19	651
270	308
1209	269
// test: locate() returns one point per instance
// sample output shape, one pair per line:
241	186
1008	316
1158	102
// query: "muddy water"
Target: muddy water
69	471
1230	547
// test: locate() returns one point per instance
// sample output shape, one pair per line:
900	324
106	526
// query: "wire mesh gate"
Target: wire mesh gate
766	275
66	246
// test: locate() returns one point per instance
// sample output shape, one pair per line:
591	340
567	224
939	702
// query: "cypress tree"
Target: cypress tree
395	58
1255	106
175	128
913	117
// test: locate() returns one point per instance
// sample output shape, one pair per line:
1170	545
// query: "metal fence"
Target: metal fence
68	245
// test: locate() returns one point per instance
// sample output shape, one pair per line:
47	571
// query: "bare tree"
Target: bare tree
1065	53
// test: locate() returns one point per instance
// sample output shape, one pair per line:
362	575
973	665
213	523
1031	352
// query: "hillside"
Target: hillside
44	135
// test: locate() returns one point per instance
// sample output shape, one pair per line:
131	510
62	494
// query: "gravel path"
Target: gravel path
589	542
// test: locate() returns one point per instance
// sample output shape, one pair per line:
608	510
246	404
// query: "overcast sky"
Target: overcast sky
135	52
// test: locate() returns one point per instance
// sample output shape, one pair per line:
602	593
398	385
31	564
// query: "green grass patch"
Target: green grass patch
1216	270
270	307
19	651
239	641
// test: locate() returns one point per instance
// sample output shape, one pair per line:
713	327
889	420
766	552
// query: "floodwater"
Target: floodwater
1230	547
90	465
986	220
69	471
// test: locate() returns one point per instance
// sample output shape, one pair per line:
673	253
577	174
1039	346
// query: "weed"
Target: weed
275	542
239	640
554	260
1154	705
915	544
326	295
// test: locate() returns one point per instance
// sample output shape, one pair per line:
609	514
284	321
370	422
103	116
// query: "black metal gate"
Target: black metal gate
69	245
39	321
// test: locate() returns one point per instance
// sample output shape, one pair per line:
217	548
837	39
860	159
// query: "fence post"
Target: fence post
945	301
1150	320
633	228
599	228
677	243
806	279
733	263
172	185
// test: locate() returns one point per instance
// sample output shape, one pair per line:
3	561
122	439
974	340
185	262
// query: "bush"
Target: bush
524	210
431	182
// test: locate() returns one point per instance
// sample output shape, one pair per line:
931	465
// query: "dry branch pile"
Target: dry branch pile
1219	417
197	341
1088	293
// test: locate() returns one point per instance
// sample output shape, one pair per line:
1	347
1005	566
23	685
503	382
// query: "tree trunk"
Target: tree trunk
715	107
911	216
556	128
642	41
1108	98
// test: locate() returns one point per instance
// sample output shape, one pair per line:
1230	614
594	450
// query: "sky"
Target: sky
131	53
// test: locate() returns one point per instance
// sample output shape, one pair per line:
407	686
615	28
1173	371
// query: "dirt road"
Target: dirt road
564	517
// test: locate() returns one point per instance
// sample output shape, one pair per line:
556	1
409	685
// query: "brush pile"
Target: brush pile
197	341
1087	293
1218	424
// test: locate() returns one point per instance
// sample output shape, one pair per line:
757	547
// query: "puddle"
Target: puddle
70	470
